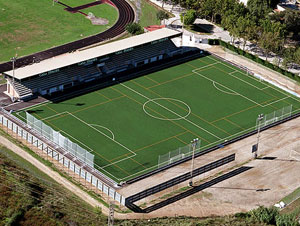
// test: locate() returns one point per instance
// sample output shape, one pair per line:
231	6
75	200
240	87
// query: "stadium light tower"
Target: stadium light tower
259	119
194	145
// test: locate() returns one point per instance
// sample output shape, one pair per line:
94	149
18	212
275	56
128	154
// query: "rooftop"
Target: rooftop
87	54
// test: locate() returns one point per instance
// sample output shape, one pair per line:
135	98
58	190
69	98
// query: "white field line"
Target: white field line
275	101
207	65
113	135
267	84
94	164
91	150
233	91
231	74
52	116
34	106
123	146
223	90
83	145
169	110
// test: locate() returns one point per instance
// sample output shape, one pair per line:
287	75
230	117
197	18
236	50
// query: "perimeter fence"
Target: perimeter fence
176	155
60	140
49	150
275	116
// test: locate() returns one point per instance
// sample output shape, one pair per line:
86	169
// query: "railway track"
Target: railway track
126	15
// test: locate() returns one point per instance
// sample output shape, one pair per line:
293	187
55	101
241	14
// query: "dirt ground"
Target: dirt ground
264	184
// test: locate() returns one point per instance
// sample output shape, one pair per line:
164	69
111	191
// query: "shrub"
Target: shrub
189	17
134	28
265	215
286	220
161	15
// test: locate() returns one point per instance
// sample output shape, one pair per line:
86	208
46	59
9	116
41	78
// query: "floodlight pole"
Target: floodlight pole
13	60
260	117
194	145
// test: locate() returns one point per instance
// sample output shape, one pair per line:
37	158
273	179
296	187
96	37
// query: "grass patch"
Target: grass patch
36	171
291	197
29	26
148	14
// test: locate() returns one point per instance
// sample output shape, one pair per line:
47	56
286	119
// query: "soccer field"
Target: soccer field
30	26
128	125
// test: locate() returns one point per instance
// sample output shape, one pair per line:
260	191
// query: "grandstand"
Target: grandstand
102	62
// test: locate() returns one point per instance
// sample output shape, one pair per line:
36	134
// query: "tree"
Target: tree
271	26
297	56
174	2
189	18
292	21
161	15
258	8
288	57
207	9
269	41
163	2
134	29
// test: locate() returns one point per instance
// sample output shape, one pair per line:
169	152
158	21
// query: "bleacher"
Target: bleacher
63	72
21	89
62	77
140	54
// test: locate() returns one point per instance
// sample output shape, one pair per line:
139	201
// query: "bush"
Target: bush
161	15
242	215
286	220
189	17
134	28
265	215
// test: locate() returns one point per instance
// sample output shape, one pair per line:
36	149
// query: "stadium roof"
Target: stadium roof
79	56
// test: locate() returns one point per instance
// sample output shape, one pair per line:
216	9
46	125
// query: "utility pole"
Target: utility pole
194	145
259	119
111	214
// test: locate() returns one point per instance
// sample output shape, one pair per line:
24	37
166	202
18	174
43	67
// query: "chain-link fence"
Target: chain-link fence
275	116
43	149
60	140
177	154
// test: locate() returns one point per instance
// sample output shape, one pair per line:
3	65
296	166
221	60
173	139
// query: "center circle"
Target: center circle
177	116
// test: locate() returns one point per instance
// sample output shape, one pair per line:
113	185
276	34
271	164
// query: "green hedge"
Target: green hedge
254	58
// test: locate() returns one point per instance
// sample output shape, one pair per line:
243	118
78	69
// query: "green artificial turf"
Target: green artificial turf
127	126
28	26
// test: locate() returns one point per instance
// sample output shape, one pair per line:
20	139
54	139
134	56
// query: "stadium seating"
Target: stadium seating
22	90
84	73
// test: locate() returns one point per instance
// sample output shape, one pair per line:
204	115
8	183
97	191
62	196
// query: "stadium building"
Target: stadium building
101	63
